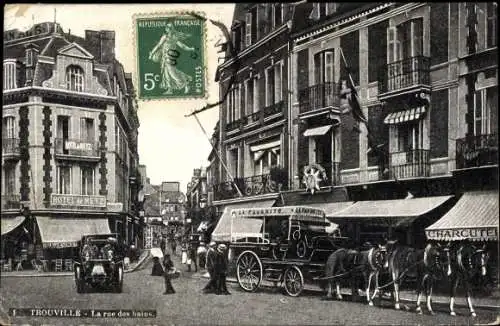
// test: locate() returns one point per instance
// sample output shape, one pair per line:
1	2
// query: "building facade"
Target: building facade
69	142
426	79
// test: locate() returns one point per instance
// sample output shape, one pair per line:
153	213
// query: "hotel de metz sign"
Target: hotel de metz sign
78	201
38	29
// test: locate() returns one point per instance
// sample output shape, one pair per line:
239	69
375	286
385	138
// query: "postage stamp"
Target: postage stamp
170	54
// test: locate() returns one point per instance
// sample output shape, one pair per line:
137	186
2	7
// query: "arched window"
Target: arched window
74	78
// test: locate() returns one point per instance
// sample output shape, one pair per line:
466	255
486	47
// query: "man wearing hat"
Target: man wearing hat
221	269
211	262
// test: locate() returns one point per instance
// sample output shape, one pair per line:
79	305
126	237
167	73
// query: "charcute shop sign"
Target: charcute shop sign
478	234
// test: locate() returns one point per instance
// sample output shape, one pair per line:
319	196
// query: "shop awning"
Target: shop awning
332	208
318	131
10	223
395	212
260	147
405	115
66	232
474	217
241	227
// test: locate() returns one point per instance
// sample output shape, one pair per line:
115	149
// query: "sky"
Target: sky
170	145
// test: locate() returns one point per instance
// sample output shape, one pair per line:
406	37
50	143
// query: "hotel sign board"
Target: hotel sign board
87	201
115	207
38	29
81	146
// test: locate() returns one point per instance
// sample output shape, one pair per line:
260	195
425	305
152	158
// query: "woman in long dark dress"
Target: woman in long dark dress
169	267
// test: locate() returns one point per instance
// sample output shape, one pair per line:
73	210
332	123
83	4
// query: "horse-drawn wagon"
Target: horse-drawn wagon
287	245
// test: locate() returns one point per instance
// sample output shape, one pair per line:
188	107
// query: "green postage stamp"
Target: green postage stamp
170	56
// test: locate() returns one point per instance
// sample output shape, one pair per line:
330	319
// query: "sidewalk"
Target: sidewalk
32	273
405	296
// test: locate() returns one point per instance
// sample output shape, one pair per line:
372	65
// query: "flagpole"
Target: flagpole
352	82
217	153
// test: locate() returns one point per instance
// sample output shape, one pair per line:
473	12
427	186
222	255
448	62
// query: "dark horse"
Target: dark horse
465	262
349	263
432	269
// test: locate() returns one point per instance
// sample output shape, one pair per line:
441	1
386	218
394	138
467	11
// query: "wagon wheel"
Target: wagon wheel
249	271
80	283
293	281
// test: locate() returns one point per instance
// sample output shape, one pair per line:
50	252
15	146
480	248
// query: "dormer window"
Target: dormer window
278	15
74	78
9	74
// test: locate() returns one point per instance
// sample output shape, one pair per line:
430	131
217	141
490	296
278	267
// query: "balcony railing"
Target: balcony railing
250	186
477	151
410	164
332	173
77	147
318	97
404	74
256	116
10	146
11	202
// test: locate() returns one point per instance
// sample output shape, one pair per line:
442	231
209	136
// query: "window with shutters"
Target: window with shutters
9	178
9	128
64	179
74	78
9	74
270	86
485	111
249	96
491	24
87	130
88	176
323	67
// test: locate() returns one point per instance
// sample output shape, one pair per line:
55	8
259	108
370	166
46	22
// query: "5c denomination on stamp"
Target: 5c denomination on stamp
170	56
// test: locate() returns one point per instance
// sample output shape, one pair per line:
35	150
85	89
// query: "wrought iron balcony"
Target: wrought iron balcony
10	147
477	151
410	164
11	201
318	97
332	174
76	148
250	186
410	74
267	111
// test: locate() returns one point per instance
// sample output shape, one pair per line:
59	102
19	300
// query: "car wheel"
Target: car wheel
119	280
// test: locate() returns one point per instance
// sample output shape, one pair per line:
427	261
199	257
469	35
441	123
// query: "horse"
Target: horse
353	263
431	270
468	262
401	262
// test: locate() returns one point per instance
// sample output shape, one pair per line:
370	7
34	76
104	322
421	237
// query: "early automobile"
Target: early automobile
99	264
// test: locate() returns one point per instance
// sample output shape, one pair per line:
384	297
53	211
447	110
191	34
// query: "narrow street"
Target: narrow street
190	307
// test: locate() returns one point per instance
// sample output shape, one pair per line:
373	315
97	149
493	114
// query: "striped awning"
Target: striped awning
318	131
404	116
474	217
394	212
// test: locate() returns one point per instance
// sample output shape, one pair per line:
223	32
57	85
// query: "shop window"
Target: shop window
87	180
74	78
64	179
9	74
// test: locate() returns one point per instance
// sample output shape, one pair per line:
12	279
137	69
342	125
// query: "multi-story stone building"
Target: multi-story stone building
69	137
253	118
426	76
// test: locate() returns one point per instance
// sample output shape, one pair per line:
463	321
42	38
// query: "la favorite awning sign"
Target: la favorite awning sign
474	234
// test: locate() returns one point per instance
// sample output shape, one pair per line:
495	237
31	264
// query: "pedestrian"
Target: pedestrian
210	265
192	248
169	270
221	270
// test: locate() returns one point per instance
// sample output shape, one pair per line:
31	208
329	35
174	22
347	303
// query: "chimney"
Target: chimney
107	46
93	43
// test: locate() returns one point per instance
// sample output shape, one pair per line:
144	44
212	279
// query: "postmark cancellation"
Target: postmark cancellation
170	55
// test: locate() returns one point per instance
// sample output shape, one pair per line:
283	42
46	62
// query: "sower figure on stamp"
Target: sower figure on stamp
221	269
166	53
169	267
211	268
